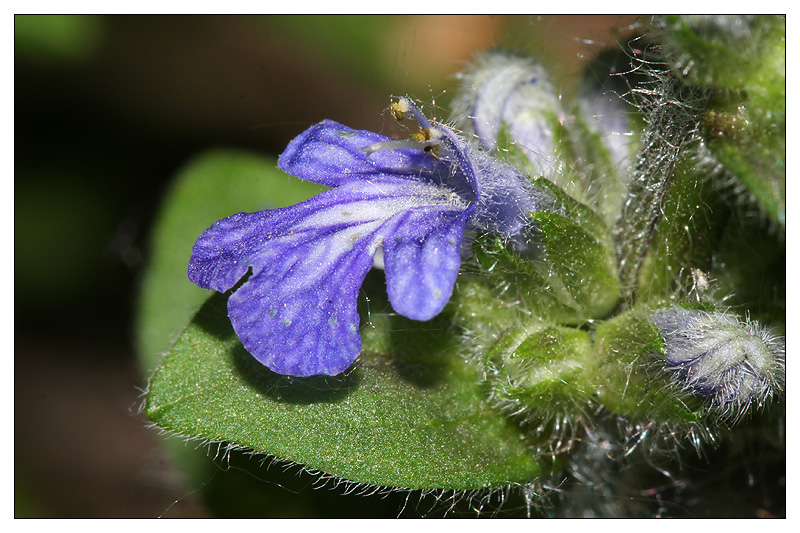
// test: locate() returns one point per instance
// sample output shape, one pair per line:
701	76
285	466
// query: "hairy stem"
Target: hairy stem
673	114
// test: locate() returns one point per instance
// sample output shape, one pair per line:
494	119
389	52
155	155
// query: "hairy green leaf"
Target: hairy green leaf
692	217
410	415
743	59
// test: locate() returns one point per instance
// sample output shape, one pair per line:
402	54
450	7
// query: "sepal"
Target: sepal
568	271
538	374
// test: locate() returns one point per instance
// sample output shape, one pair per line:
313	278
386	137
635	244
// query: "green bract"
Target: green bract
743	61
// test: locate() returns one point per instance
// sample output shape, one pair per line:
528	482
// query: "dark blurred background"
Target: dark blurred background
107	110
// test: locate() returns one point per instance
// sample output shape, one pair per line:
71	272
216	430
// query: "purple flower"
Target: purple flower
412	199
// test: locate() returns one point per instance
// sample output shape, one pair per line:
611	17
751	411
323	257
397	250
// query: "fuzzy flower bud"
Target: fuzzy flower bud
715	355
512	94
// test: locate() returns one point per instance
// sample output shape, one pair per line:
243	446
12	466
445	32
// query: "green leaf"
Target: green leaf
728	51
747	135
213	186
743	59
585	265
673	115
411	415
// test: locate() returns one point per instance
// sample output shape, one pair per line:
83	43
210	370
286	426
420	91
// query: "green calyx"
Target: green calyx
538	372
628	373
568	274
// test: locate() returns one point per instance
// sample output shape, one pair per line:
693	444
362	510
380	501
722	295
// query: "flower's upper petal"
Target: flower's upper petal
331	154
422	258
297	313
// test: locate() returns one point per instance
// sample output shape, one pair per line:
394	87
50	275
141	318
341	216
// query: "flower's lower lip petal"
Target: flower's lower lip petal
421	260
222	254
297	313
301	331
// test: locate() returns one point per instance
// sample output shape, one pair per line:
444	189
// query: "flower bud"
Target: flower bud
538	376
510	94
715	355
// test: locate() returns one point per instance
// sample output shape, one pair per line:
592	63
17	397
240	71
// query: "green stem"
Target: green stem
673	115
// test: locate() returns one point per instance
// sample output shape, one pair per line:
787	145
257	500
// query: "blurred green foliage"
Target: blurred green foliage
53	40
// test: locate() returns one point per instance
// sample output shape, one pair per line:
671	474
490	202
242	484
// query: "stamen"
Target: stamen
427	139
403	106
409	144
399	109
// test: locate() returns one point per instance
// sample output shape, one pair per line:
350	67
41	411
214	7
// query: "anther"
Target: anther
399	109
405	105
